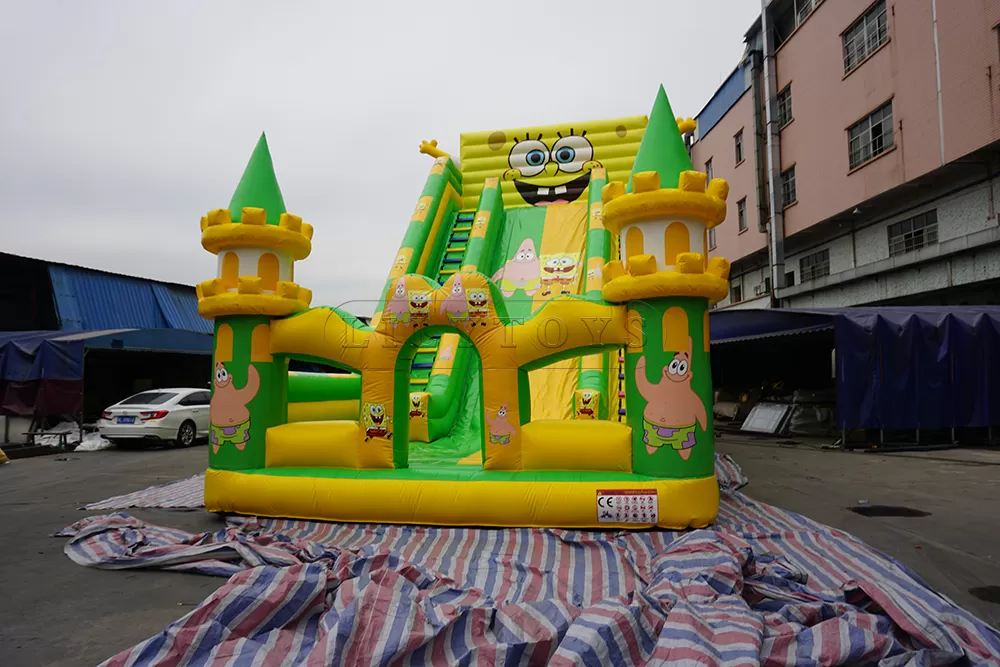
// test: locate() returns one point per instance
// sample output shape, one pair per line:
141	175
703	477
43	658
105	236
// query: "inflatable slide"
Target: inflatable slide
544	278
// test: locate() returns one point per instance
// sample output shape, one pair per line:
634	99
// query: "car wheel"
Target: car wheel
186	434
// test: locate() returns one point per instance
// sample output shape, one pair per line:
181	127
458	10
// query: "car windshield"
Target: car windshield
149	398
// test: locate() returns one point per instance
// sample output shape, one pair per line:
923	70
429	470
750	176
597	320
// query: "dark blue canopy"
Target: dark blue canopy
897	367
39	355
27	356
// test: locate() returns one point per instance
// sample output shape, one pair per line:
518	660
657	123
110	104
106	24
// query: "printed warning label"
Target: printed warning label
627	506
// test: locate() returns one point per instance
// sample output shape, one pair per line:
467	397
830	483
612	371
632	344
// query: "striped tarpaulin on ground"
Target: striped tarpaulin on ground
762	586
183	494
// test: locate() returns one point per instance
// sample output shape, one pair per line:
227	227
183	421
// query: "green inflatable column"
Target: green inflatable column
668	381
249	393
257	242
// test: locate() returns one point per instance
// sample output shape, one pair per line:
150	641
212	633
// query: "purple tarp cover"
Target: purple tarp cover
761	586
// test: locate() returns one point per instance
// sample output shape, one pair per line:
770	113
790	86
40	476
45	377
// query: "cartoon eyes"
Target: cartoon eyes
554	262
529	157
524	256
572	152
565	261
221	375
587	395
678	367
502	412
375	410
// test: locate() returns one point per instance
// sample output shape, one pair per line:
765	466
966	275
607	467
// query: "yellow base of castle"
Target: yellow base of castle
393	498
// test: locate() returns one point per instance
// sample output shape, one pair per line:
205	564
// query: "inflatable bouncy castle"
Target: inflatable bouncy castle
539	357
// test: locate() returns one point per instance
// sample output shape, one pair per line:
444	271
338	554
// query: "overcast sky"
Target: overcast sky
121	123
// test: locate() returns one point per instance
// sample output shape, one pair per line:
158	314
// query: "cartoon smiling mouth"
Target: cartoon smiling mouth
418	304
586	401
378	419
560	194
559	269
478	304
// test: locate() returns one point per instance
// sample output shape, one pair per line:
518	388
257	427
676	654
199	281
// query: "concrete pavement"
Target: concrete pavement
53	612
956	548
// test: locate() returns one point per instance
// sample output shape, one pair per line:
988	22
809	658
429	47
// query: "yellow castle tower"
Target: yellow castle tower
257	243
661	218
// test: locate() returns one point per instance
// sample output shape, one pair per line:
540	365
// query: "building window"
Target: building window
785	106
741	213
865	35
788	196
815	265
871	136
913	233
789	279
803	9
739	146
711	239
708	169
735	292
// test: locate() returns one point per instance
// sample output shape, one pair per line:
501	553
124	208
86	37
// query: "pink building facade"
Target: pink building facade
861	141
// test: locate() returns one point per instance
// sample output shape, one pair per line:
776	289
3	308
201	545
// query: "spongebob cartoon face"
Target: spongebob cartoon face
556	171
478	299
596	217
586	404
482	218
418	404
423	205
376	421
559	269
419	302
549	164
479	305
401	263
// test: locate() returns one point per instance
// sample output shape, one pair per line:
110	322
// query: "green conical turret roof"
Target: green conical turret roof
259	186
662	148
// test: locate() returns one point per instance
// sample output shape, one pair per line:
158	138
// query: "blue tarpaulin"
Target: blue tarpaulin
27	356
41	372
912	368
897	367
